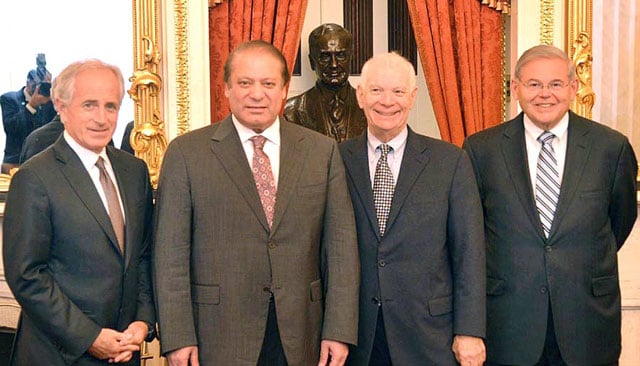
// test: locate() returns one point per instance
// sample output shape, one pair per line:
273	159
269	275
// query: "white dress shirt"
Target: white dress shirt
271	146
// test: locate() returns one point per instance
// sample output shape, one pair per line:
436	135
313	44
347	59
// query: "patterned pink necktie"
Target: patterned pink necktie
264	177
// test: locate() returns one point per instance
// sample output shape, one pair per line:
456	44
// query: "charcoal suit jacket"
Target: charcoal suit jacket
575	270
62	260
427	272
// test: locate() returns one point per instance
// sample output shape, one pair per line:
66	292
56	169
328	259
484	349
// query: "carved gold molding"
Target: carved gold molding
148	138
546	21
181	34
579	48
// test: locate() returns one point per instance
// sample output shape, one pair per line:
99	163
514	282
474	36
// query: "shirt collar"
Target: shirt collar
87	157
272	133
395	143
558	130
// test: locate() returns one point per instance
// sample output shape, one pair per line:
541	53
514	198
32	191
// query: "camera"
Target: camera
44	89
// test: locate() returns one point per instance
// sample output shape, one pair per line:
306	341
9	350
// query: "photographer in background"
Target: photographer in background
25	110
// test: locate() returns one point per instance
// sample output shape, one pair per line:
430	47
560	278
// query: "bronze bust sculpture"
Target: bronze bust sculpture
331	106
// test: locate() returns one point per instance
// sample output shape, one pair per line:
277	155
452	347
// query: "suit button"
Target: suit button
266	289
382	263
548	248
272	245
543	290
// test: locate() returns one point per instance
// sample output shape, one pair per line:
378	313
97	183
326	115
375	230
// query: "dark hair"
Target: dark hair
256	45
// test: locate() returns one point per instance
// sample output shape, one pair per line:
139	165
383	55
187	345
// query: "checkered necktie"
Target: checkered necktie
383	187
547	182
263	176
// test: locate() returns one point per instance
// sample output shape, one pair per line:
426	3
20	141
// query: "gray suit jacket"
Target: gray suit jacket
62	260
575	269
216	261
428	270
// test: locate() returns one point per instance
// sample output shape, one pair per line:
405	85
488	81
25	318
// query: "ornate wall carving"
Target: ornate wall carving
579	48
148	137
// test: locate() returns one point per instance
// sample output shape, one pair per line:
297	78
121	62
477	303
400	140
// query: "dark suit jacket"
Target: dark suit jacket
576	269
428	270
18	122
125	145
41	138
62	260
216	261
310	110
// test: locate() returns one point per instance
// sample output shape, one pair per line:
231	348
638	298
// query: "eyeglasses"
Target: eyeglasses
538	86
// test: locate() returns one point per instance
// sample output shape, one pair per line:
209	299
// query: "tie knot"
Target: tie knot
258	141
100	163
546	137
384	150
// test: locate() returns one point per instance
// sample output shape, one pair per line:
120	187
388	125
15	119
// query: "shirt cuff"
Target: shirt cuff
30	108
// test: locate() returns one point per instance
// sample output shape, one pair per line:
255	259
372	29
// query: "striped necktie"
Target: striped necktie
547	182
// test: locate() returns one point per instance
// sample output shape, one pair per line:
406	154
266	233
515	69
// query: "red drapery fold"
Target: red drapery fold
233	22
460	45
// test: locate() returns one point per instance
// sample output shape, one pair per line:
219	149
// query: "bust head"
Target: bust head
330	54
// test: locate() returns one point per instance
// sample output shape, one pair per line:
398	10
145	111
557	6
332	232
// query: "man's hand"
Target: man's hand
38	99
185	356
333	353
469	350
108	346
135	334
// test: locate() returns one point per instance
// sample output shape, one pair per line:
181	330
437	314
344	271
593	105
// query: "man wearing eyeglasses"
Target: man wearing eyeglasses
559	198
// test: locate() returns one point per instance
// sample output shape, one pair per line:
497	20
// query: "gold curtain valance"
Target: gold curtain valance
500	5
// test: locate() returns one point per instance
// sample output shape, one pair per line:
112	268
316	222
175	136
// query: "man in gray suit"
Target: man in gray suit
256	257
76	234
559	197
419	222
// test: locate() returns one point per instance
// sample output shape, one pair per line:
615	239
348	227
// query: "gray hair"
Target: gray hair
63	85
544	52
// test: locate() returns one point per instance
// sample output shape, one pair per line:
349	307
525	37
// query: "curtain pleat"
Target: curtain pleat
459	44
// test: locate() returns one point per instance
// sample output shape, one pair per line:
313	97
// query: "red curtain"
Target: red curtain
235	21
460	44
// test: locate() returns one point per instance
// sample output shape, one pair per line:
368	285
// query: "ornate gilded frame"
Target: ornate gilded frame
148	137
579	35
579	47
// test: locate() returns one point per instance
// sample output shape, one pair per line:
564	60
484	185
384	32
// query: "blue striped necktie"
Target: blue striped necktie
547	182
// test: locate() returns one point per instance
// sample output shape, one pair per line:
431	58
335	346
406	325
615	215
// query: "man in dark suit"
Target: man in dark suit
330	107
125	145
76	234
557	209
256	257
419	223
41	138
22	112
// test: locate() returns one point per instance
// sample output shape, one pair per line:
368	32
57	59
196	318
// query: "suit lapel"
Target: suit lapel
357	164
578	145
81	183
515	155
414	160
226	145
293	154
